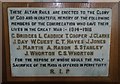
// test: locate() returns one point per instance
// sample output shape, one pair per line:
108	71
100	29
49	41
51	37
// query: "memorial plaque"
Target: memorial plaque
75	41
59	41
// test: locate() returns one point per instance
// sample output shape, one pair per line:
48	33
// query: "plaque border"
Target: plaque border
113	66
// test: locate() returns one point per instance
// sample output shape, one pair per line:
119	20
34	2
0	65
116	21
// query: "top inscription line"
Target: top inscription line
59	12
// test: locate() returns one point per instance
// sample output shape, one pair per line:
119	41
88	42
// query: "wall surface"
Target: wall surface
0	42
36	1
59	0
